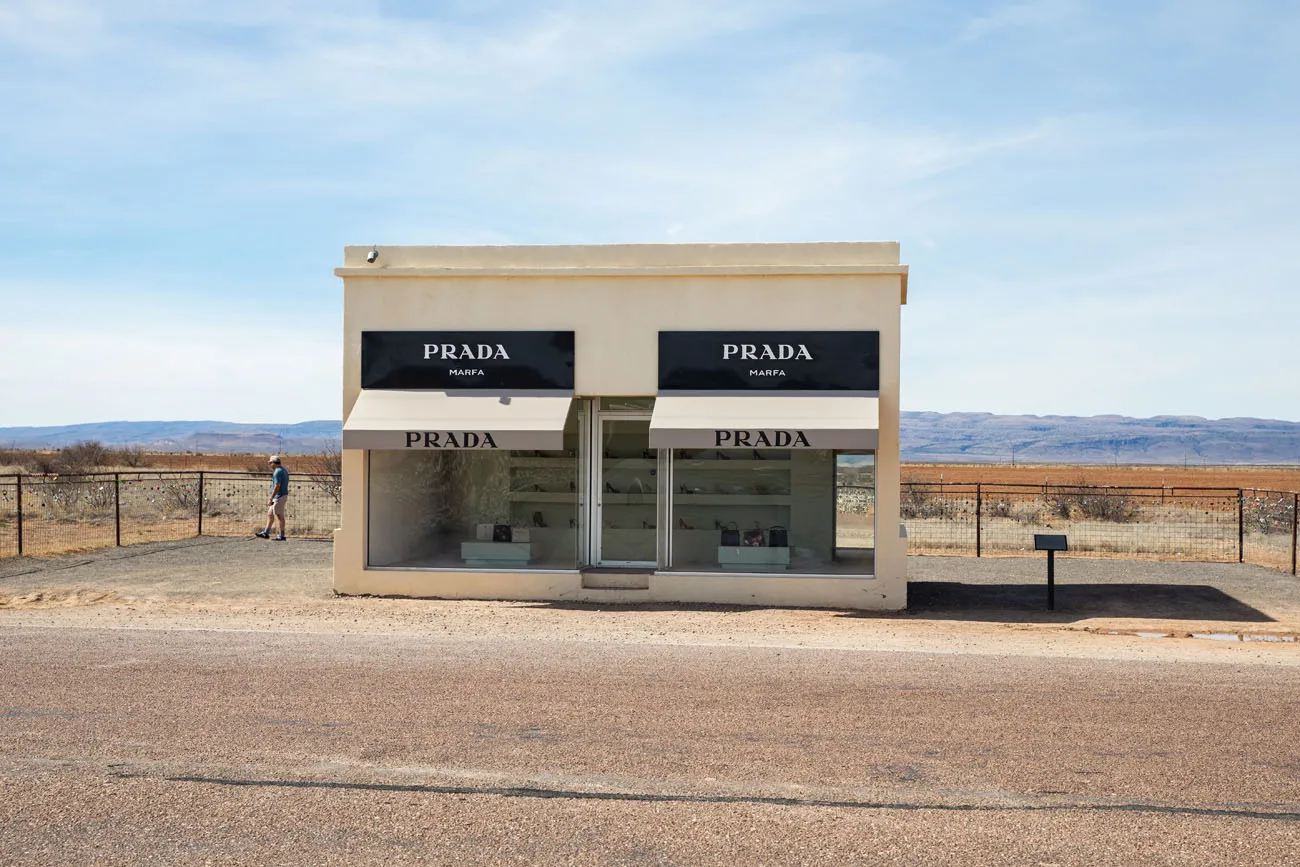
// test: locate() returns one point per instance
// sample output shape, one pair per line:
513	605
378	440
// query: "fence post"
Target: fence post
20	512
117	508
1295	519
979	510
200	502
1241	526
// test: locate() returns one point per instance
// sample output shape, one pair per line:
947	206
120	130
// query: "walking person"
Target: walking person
279	498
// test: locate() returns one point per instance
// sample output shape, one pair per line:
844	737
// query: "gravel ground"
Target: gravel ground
223	578
211	702
240	747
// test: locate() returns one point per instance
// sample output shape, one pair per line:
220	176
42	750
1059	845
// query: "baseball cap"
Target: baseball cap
274	459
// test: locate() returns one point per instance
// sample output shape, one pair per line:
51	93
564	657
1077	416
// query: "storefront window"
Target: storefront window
855	502
754	510
475	509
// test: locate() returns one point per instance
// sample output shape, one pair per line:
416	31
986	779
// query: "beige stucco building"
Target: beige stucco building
631	423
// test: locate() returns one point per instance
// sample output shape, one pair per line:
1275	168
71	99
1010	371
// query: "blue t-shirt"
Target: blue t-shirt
280	482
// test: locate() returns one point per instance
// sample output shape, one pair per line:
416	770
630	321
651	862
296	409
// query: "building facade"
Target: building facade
633	423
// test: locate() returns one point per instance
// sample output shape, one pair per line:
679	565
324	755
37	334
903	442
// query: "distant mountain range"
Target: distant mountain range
181	436
958	437
979	437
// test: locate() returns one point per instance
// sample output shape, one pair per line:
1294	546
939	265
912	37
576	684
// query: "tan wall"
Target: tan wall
617	299
617	320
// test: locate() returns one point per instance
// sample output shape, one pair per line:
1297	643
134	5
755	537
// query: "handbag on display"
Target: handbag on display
778	537
754	538
730	535
501	533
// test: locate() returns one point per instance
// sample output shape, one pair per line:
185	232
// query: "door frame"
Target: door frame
596	490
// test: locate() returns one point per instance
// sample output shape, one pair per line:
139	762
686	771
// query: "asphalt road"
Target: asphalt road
257	745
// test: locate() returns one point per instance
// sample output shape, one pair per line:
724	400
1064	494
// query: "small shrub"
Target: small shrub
83	456
180	495
919	501
325	469
1033	512
131	456
1083	502
1020	511
43	463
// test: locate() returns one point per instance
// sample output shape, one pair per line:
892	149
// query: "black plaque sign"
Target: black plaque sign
450	360
769	361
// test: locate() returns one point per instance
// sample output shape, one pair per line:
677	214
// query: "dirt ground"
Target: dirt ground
212	702
985	605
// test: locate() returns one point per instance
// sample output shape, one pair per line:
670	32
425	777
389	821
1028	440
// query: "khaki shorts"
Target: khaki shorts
277	508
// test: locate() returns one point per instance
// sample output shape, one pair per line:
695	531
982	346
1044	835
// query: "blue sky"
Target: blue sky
1098	201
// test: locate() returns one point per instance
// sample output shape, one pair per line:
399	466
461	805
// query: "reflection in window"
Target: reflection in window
475	509
753	510
855	505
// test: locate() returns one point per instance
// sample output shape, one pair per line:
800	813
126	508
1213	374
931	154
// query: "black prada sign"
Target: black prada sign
433	439
761	439
769	361
449	360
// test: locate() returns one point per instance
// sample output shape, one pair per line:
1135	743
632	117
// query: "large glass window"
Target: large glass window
753	510
855	510
476	509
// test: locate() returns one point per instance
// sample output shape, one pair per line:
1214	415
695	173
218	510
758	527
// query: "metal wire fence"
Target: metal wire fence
1269	524
57	514
1167	523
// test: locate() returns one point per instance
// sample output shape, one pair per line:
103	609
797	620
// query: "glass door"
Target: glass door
626	493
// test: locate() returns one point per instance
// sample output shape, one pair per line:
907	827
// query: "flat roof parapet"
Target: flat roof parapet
631	260
627	256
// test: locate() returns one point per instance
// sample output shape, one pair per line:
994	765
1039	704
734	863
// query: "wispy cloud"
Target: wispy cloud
1034	14
1041	161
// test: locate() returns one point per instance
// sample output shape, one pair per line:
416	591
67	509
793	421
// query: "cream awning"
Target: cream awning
384	419
765	421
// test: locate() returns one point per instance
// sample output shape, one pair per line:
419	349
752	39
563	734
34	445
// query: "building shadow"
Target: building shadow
952	600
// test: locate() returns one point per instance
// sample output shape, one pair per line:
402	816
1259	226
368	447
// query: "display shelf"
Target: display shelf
629	463
681	500
496	554
646	499
691	465
543	497
759	559
542	463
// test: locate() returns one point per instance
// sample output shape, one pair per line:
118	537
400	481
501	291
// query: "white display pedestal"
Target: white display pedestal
743	559
507	555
